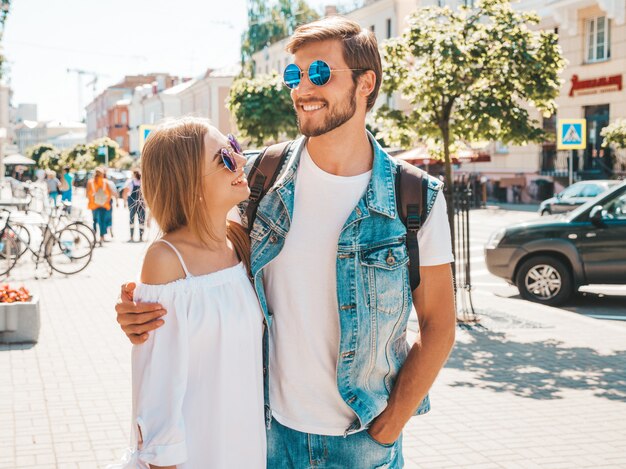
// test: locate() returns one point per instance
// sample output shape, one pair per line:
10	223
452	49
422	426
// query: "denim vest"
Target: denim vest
373	290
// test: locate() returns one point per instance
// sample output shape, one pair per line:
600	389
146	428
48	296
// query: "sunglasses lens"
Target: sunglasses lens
235	144
228	160
291	76
319	73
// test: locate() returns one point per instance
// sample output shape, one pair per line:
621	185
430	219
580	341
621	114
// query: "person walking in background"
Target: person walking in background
53	184
67	183
109	213
99	198
136	206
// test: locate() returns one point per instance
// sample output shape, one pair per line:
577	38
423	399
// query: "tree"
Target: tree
262	108
84	161
5	6
470	75
50	160
112	150
269	23
615	136
37	151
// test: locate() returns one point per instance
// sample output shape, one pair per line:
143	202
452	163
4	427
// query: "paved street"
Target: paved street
530	386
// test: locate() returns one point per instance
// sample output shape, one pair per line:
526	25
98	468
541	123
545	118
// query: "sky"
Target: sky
113	38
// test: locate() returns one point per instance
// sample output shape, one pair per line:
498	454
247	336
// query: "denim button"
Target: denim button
273	239
391	260
358	211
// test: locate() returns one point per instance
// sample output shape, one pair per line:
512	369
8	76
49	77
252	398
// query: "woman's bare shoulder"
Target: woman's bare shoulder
161	265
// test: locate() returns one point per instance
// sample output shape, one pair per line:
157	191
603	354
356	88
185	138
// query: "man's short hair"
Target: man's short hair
360	49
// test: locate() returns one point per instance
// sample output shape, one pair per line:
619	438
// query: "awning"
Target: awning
16	158
515	181
421	156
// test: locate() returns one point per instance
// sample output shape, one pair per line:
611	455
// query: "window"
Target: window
388	28
571	191
124	120
592	191
615	209
598	39
468	3
373	28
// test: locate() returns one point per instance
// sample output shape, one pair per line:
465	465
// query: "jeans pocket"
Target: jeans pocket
378	443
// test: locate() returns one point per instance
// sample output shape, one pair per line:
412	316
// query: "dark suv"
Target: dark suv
550	258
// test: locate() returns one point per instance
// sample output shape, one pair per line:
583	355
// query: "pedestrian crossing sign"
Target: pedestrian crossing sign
571	134
144	131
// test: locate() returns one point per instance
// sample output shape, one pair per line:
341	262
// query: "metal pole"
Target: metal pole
571	167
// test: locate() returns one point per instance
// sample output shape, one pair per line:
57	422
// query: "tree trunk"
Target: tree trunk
449	187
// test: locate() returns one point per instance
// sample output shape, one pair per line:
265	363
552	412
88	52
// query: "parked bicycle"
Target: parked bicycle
67	250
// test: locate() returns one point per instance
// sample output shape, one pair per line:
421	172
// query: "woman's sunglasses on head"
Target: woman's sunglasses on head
319	73
227	155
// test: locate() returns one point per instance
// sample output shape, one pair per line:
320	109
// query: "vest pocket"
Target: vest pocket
385	270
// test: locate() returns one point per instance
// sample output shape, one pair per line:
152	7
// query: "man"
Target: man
329	264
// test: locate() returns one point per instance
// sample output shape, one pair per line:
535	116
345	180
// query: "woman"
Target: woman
197	381
99	202
136	206
53	184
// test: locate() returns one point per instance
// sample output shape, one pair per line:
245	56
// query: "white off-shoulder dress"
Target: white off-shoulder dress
198	379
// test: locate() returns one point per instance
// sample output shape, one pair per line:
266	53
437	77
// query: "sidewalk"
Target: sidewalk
530	386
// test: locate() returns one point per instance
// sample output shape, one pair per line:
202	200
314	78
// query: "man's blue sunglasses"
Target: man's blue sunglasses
319	73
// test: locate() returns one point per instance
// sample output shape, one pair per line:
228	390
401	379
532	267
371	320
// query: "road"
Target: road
604	302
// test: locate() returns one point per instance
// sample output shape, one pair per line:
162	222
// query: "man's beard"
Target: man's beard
338	116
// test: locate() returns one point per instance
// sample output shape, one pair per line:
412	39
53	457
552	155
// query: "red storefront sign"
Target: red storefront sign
595	85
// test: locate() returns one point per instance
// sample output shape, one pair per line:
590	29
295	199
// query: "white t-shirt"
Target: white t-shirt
301	291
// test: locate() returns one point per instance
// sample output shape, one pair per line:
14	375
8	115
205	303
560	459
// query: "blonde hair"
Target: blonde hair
360	49
172	165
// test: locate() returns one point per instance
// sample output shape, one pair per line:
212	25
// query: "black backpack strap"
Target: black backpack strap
411	196
263	175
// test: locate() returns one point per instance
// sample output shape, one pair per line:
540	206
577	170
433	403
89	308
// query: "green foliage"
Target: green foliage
269	23
36	152
50	160
79	157
125	162
262	109
615	134
84	161
112	148
470	75
5	6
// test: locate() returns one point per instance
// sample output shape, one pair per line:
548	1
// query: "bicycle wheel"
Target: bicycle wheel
68	251
84	228
22	236
9	252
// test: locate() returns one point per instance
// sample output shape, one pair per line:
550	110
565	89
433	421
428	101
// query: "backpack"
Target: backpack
411	191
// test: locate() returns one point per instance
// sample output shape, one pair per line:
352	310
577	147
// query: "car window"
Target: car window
616	208
591	190
571	191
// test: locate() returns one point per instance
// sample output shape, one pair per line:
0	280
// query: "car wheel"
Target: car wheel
546	211
546	280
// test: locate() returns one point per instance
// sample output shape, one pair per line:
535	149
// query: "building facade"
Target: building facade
30	133
592	35
204	96
99	123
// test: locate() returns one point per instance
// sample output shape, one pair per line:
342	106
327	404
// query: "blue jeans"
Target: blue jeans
99	220
290	449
